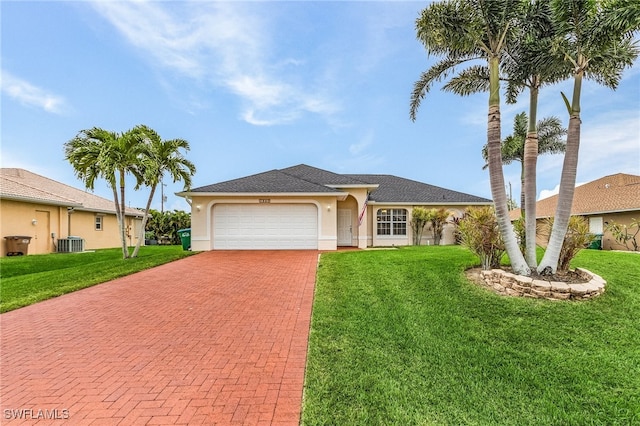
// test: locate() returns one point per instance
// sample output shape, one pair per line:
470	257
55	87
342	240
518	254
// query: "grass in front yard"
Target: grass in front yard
401	337
29	279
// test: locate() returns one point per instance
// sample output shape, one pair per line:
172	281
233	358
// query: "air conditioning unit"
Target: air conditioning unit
71	245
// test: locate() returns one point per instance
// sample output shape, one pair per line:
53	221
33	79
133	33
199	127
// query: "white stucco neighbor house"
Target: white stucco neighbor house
303	207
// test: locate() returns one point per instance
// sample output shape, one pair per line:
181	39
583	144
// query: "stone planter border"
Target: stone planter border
506	283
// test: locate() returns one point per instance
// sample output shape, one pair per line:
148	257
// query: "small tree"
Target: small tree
437	218
479	232
419	219
455	221
577	238
624	235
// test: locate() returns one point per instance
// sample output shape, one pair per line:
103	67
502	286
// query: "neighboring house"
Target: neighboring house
614	198
302	207
48	211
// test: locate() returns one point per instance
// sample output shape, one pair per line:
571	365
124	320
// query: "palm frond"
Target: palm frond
474	79
436	73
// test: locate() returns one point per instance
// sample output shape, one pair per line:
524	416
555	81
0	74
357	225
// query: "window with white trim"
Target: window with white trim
99	223
391	222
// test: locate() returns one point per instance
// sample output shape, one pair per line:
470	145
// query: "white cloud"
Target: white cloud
28	94
226	44
358	148
546	193
610	145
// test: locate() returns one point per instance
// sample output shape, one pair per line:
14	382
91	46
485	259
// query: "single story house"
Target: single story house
303	207
50	212
613	198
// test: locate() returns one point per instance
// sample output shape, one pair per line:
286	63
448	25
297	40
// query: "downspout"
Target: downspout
69	213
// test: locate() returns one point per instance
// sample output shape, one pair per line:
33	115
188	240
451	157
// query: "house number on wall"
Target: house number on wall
264	200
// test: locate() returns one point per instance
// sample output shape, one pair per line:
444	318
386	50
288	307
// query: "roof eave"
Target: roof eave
40	200
432	203
632	209
339	195
105	211
355	186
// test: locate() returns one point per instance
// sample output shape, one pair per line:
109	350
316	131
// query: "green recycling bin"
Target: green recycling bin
185	237
596	244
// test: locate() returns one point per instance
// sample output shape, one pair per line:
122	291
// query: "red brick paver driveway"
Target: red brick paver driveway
216	338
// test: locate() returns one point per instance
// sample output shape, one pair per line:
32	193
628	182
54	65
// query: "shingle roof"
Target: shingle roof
319	176
23	185
613	193
307	179
394	189
272	181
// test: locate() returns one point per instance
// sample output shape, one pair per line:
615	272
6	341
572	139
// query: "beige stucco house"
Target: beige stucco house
303	207
613	198
49	212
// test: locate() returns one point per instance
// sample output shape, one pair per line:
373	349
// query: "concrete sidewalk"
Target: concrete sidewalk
216	338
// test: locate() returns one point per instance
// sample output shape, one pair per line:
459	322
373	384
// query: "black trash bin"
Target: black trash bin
17	245
185	237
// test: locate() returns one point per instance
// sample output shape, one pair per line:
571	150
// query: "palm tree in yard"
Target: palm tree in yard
466	31
597	41
526	65
160	157
529	66
97	153
550	134
547	139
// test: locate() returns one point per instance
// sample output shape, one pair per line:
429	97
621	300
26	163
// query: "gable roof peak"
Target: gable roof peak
321	176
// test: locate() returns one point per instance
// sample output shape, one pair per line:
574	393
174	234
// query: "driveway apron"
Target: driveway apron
216	338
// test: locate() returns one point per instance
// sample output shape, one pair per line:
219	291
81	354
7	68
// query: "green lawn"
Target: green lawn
29	279
400	337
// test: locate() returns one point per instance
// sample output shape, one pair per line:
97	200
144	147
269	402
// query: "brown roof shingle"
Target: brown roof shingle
23	185
613	193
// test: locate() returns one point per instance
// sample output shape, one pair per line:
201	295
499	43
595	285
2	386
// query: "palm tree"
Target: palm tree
597	41
157	158
526	65
547	139
464	31
97	153
549	132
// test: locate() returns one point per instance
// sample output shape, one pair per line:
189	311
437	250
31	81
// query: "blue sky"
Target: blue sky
255	86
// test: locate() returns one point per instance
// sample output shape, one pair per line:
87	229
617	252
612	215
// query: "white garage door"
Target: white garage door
265	226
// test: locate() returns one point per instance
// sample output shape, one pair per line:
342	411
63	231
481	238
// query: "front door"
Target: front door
345	230
43	243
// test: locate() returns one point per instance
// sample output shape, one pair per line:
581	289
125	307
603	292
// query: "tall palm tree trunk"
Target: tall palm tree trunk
144	222
123	225
529	164
120	219
549	262
496	176
522	203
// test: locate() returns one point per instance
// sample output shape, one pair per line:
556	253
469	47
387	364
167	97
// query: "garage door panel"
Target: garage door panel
265	226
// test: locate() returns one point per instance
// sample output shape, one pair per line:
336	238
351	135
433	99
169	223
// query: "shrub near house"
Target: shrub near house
164	226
